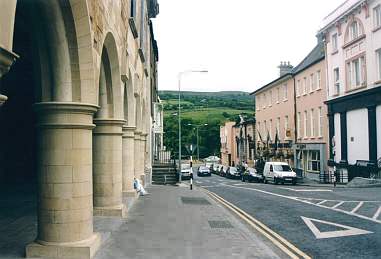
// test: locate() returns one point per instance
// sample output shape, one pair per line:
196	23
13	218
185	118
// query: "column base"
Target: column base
82	249
131	193
114	211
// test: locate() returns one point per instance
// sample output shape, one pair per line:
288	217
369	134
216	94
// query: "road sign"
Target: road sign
348	231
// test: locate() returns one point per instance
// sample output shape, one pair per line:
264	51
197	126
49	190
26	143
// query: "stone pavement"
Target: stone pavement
175	222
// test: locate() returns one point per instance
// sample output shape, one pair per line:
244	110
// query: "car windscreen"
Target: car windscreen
185	166
282	168
203	168
233	169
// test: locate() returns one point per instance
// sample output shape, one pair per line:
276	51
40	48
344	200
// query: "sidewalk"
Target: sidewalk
175	222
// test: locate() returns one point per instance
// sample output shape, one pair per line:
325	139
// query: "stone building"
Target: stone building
275	109
77	83
352	34
244	141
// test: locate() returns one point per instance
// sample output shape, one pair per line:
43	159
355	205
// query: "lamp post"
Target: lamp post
179	82
197	126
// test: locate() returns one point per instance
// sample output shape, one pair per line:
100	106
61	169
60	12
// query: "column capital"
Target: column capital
128	131
69	115
108	126
7	58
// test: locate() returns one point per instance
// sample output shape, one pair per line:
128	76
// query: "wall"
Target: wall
357	137
337	135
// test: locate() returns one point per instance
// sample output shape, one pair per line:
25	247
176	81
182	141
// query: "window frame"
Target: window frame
305	124
378	62
305	86
312	88
336	80
318	80
298	115
377	17
298	88
320	122
286	125
358	78
285	89
334	43
312	121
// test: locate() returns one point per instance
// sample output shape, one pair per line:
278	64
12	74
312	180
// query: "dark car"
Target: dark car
252	175
233	173
203	171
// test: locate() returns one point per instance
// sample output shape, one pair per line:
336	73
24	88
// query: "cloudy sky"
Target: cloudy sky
239	42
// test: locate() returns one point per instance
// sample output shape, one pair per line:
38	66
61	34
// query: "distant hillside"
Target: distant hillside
200	108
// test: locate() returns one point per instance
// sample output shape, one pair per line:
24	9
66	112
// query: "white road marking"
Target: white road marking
357	207
337	205
239	184
311	203
321	202
349	231
305	190
378	212
207	186
198	182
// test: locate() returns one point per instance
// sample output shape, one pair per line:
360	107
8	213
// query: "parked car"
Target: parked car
251	175
233	173
185	171
216	168
203	171
279	172
223	170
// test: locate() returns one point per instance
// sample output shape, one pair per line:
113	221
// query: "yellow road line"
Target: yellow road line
279	241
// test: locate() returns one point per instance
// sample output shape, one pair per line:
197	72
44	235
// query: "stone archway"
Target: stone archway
107	136
49	83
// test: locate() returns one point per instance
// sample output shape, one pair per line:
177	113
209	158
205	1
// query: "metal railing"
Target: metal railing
163	157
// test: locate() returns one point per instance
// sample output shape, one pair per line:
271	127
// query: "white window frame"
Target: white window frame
377	17
305	124
336	80
356	76
304	85
270	98
278	126
298	125
285	126
271	129
285	97
378	62
320	122
334	43
311	158
258	131
277	95
312	83
298	88
264	101
318	80
354	30
312	120
264	129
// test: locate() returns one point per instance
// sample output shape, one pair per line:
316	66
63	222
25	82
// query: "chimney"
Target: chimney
284	68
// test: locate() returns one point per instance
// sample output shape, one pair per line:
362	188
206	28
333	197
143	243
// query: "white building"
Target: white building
352	35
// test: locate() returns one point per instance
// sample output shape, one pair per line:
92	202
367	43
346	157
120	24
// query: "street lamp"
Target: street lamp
197	126
179	78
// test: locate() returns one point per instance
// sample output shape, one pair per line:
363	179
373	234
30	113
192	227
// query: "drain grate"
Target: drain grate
195	201
220	224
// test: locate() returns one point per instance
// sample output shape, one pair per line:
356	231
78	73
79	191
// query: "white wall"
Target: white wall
378	131
337	147
357	128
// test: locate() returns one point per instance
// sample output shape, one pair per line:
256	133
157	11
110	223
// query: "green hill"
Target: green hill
199	108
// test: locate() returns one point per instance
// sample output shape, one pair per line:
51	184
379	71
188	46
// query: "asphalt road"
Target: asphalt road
323	222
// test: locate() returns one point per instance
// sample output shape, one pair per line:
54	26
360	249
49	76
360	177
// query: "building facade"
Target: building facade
275	109
77	83
352	36
310	148
228	146
244	141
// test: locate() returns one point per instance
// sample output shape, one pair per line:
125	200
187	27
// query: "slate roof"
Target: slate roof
313	57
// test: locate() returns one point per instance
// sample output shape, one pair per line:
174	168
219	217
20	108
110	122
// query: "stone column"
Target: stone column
137	155
107	180
142	159
65	194
128	160
146	166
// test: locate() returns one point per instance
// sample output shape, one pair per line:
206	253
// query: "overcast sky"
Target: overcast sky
240	42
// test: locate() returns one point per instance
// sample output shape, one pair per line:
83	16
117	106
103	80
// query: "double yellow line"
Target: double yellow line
279	241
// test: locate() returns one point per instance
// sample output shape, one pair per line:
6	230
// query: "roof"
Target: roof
312	58
272	82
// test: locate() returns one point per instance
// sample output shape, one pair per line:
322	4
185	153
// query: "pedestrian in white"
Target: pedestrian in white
139	188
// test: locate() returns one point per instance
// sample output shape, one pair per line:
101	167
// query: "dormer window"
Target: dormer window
354	30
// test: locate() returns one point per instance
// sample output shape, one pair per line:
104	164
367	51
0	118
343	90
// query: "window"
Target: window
354	30
334	42
264	101
258	133
271	129
377	16
378	55
313	161
356	73
312	129
277	125
133	8
270	97
312	83
298	133
318	80
305	86
298	88
277	95
305	123
264	129
320	122
285	92
285	126
336	80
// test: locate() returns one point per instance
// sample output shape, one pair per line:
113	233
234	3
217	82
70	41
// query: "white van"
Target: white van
279	172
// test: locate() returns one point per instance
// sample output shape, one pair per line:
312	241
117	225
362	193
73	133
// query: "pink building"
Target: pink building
228	147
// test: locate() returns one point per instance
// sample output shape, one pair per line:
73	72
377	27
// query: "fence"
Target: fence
163	156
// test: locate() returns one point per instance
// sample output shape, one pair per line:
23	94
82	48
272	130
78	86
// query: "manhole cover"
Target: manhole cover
195	201
220	224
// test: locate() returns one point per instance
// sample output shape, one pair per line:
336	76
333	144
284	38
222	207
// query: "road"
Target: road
323	222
